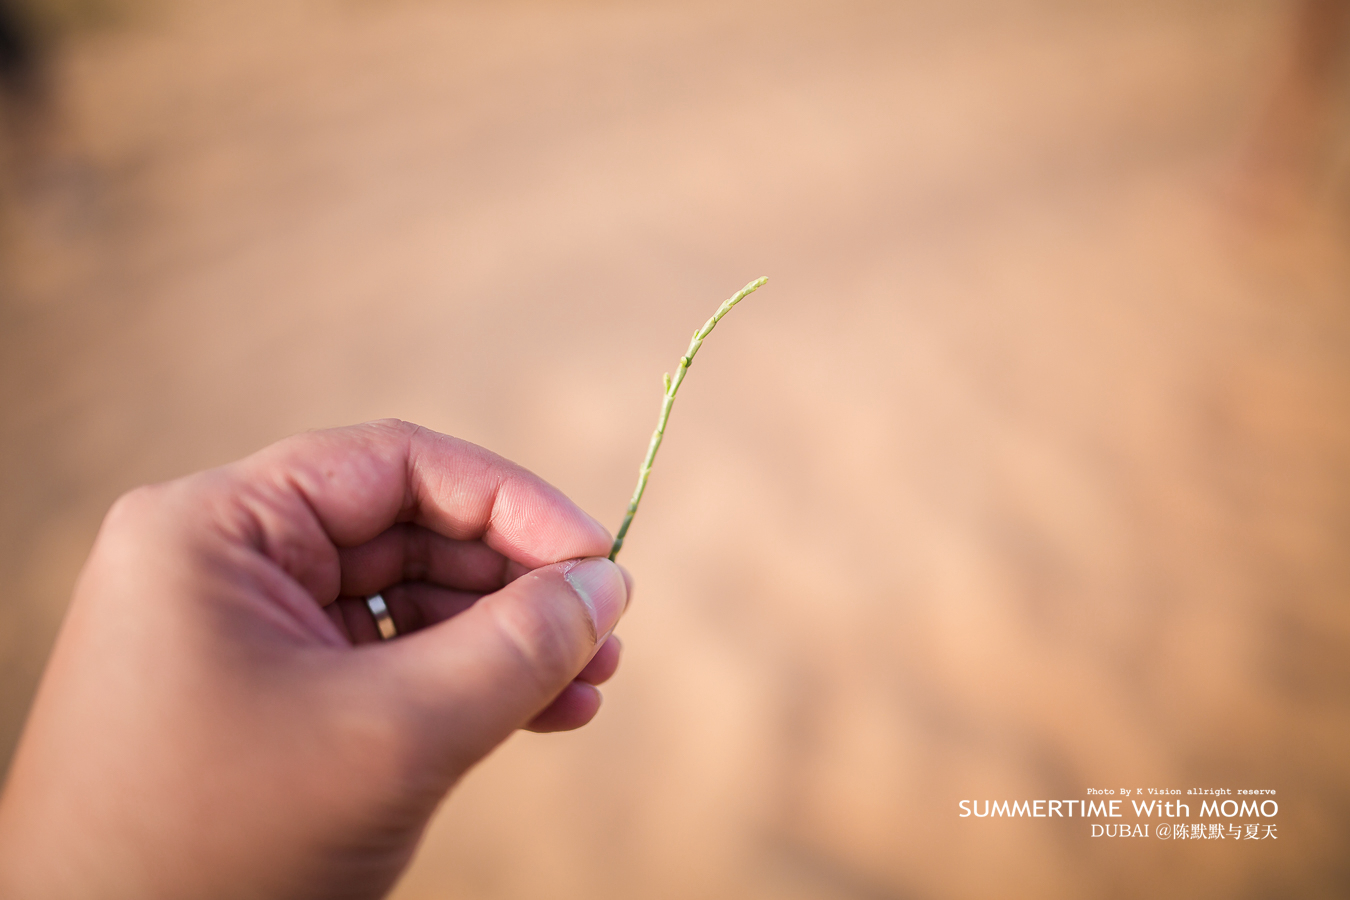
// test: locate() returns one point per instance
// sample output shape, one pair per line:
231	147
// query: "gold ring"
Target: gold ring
383	621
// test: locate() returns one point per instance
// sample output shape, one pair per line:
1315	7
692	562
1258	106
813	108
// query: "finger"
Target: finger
412	607
508	656
296	500
411	553
575	706
354	619
604	664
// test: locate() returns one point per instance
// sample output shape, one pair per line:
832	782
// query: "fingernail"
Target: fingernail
600	585
627	586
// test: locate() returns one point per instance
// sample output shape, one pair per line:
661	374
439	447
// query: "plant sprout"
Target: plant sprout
672	386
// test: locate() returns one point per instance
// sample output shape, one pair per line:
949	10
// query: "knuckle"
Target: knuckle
131	509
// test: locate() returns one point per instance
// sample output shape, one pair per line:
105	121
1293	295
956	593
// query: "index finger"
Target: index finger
356	482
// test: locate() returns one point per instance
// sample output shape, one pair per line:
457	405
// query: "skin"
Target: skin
219	718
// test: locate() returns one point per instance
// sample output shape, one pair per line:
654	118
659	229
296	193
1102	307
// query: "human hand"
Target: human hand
219	717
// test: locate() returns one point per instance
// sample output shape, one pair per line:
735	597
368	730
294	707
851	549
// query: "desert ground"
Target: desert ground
1027	473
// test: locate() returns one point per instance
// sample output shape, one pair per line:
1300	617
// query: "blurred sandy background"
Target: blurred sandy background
1028	472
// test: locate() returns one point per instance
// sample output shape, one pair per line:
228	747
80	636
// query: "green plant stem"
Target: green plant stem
673	386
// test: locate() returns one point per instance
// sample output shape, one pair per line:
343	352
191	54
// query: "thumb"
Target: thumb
487	671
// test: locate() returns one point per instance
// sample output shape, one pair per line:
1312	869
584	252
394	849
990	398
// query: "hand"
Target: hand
219	717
